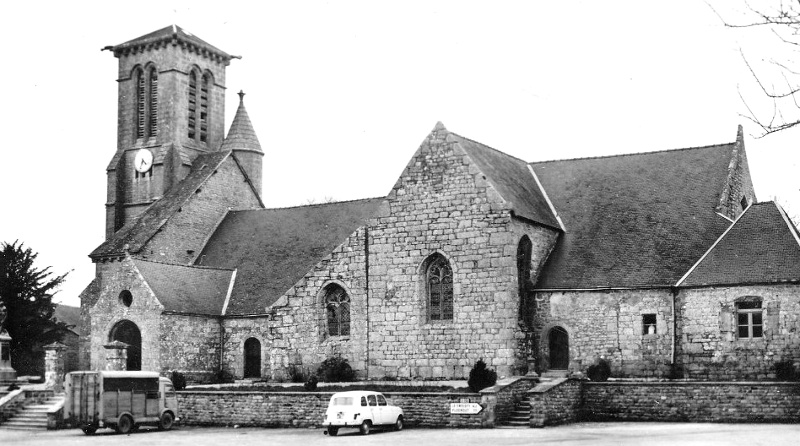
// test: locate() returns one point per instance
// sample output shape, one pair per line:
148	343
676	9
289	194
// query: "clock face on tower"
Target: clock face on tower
143	160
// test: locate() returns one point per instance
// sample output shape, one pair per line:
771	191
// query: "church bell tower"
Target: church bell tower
171	108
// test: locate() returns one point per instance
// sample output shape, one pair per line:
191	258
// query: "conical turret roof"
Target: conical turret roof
241	135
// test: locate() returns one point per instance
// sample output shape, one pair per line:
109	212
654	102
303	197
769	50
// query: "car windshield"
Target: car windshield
343	401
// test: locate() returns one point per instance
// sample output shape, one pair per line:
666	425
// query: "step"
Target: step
12	423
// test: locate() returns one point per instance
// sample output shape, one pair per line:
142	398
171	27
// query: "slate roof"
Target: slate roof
171	33
187	289
68	315
241	135
762	246
633	220
135	234
511	178
272	249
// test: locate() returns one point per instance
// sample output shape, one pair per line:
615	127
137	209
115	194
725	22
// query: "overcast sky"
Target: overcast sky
342	93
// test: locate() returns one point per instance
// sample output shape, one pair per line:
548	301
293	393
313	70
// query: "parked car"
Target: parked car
361	409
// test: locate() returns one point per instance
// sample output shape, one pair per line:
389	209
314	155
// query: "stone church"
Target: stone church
662	263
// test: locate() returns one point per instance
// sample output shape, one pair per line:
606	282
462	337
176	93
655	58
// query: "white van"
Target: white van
362	409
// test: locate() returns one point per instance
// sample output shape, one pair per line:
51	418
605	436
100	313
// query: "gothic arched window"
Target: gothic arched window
439	288
337	310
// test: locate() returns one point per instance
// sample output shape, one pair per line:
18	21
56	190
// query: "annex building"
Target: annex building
663	263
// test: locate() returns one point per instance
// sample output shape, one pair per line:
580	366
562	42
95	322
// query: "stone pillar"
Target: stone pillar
116	356
532	366
54	367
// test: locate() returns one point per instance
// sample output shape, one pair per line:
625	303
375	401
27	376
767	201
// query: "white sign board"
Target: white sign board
465	408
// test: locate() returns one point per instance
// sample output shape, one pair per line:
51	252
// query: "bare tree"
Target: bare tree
782	85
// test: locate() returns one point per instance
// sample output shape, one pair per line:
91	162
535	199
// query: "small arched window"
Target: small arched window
337	310
524	283
439	288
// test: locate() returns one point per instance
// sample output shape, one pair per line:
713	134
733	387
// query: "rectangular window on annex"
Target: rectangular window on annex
749	319
648	324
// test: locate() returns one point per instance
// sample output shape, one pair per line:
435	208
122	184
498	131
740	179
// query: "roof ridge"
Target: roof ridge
631	154
137	259
310	205
489	147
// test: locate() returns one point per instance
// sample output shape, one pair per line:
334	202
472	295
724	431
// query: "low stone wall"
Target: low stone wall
555	403
720	402
10	403
307	409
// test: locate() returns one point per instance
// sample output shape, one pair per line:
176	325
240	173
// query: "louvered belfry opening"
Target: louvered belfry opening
146	98
192	105
204	109
152	131
140	104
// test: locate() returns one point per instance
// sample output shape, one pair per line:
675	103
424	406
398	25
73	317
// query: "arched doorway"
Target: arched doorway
558	341
252	358
127	332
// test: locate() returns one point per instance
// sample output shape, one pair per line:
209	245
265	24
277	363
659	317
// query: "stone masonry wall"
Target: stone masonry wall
608	324
107	310
709	402
173	64
443	204
190	345
558	404
237	331
709	347
298	331
307	409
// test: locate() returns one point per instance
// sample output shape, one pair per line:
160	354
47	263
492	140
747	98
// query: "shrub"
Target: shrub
223	377
785	371
297	374
480	377
599	371
311	384
335	369
178	380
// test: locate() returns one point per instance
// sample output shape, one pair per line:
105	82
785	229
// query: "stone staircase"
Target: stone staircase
521	415
33	416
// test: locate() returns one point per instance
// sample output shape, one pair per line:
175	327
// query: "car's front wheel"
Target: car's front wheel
332	431
165	422
364	428
398	425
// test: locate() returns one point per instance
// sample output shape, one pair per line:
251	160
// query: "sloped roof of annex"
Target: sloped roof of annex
761	246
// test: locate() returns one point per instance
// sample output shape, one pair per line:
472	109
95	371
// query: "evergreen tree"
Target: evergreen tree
26	299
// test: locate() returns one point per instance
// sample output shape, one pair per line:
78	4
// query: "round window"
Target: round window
126	298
